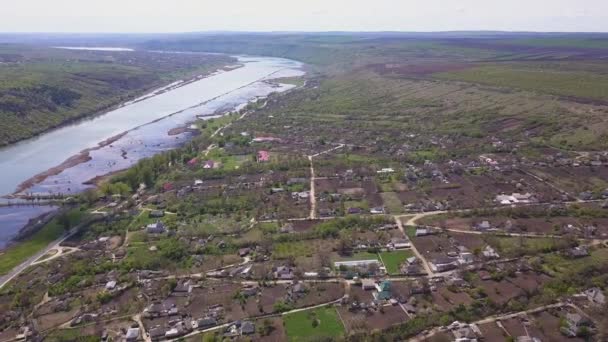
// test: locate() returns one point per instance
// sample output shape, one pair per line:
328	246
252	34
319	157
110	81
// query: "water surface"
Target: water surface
146	123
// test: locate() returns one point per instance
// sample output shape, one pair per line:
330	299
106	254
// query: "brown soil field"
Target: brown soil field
392	315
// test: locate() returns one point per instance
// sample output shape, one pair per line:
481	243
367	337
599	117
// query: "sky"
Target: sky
155	16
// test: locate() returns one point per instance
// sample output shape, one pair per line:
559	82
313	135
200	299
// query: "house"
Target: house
157	333
155	228
443	264
368	284
399	243
420	231
156	214
377	210
182	288
527	339
356	263
193	162
287	228
383	291
467	333
266	139
578	252
354	210
386	170
206	322
167	187
490	253
596	296
132	334
243	252
247	328
284	272
111	285
483	226
263	156
574	322
465	258
250	290
484	275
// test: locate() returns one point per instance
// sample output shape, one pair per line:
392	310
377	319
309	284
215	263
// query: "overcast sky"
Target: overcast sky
301	15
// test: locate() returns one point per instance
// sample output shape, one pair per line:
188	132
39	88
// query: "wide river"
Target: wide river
146	122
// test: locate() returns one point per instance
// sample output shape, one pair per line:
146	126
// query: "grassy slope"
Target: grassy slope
18	253
299	325
43	88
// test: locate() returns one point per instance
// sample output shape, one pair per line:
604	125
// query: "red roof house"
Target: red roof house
263	156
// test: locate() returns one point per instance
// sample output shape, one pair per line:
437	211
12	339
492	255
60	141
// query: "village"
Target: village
266	229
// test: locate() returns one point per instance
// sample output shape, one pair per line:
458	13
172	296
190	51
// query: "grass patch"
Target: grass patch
392	260
392	202
292	249
359	256
546	79
18	253
313	324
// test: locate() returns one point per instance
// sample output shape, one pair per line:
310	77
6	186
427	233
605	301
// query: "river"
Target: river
142	128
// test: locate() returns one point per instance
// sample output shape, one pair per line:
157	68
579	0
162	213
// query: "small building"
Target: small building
247	328
578	252
111	285
443	264
377	211
595	296
263	156
209	164
243	252
465	258
206	322
156	228
284	272
574	322
368	284
183	288
483	226
383	291
399	243
490	253
356	263
132	334
156	214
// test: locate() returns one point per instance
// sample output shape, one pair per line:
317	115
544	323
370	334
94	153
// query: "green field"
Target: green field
292	249
18	253
551	79
359	256
392	202
392	260
299	326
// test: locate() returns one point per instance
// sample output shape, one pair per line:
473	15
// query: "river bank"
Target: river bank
165	125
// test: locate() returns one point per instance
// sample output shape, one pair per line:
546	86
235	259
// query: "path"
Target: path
312	195
5	279
425	263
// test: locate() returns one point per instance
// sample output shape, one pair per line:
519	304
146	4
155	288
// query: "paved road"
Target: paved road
5	279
